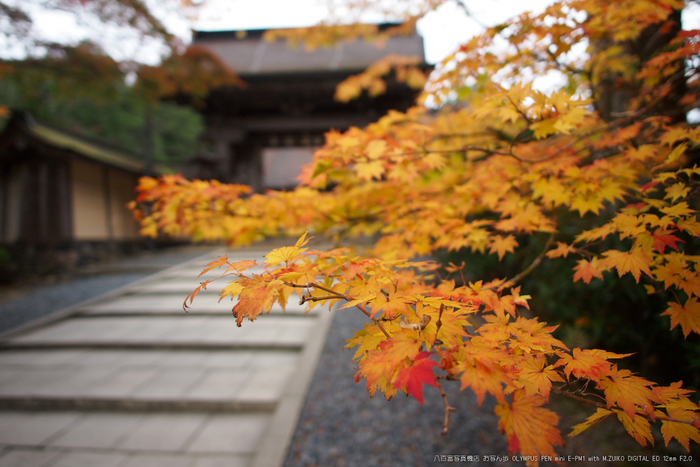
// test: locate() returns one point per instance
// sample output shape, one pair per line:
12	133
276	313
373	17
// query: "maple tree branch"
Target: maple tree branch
335	295
460	149
316	286
535	263
448	409
376	322
307	298
570	395
438	323
519	110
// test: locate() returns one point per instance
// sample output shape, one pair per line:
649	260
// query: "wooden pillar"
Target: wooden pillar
108	203
5	203
246	163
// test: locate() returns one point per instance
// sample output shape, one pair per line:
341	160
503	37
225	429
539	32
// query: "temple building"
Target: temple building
262	134
62	194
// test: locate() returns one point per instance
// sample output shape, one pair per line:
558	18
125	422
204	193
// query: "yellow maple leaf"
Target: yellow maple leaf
232	290
677	190
638	427
544	128
628	225
584	203
681	410
283	255
376	149
370	170
600	415
678	210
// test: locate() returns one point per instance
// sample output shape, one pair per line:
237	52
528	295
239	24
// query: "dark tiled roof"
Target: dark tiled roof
249	54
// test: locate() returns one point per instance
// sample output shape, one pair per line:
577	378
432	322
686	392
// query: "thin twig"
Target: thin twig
334	296
308	298
438	323
448	409
535	263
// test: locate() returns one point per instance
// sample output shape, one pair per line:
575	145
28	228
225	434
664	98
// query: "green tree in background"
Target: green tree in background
117	121
82	89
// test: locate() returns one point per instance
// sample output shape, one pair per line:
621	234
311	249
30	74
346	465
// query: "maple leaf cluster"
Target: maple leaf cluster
500	162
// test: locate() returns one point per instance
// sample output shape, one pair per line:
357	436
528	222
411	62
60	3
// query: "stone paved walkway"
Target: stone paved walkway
131	380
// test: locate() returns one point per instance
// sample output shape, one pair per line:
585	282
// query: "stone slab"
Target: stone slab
186	329
177	376
33	428
157	460
193	271
99	431
26	457
88	459
168	432
237	433
172	304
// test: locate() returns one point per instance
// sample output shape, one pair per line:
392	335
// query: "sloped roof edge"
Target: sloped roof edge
241	34
89	149
249	55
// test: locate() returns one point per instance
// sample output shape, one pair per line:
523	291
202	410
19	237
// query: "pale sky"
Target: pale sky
443	30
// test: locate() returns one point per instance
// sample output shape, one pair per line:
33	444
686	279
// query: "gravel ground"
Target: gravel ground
43	300
340	426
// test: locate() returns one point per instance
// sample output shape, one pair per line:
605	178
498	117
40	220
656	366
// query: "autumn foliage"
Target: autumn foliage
499	162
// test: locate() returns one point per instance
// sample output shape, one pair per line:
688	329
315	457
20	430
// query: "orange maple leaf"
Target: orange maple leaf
530	429
214	264
635	262
535	377
587	363
396	304
587	270
628	392
195	292
241	266
503	245
385	360
687	315
253	299
419	372
451	321
562	249
482	379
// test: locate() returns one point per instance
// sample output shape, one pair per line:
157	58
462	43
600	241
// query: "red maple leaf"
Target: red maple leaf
662	240
413	377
